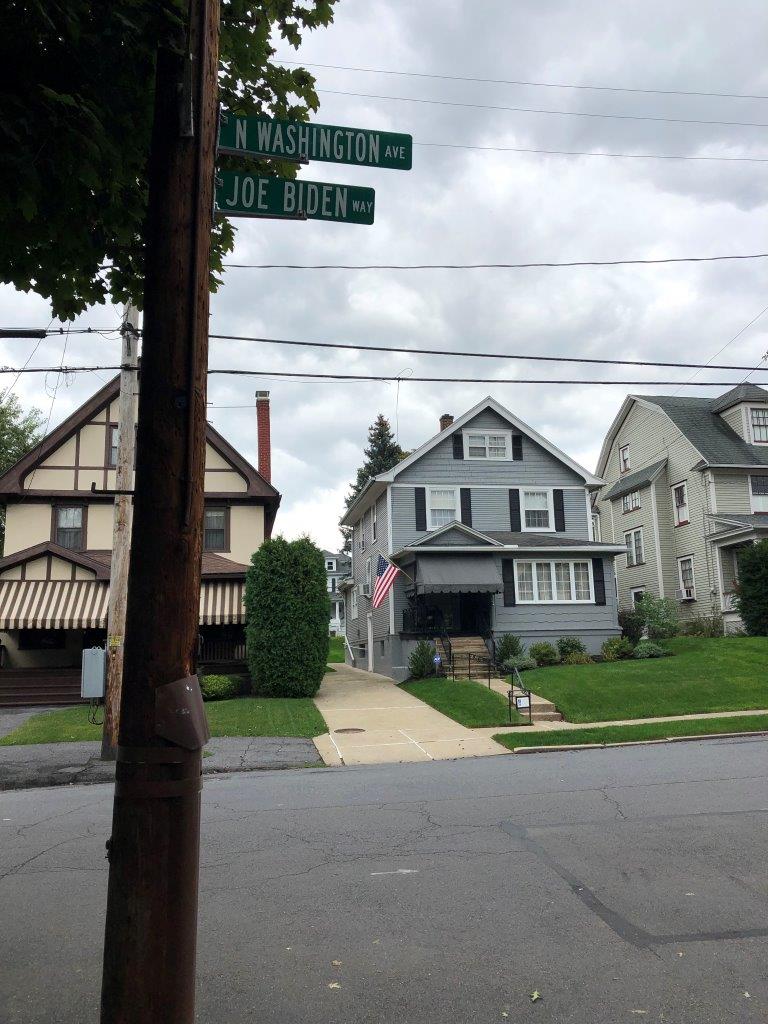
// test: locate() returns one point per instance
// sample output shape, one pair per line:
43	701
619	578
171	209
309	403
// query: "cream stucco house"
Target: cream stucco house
54	573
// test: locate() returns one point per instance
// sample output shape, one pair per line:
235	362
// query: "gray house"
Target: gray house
337	568
490	524
686	488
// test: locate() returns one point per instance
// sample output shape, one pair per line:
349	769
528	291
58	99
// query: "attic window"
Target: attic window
487	445
624	458
759	425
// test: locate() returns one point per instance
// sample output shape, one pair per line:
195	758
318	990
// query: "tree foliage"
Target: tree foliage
19	432
381	453
75	125
287	609
752	596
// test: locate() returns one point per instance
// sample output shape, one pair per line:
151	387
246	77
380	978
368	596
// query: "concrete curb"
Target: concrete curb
634	743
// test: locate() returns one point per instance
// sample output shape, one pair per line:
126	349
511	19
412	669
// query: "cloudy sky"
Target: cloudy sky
481	205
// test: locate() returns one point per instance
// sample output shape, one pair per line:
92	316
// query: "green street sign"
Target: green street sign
241	194
299	140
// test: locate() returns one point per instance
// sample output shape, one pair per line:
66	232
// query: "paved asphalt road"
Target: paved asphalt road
623	885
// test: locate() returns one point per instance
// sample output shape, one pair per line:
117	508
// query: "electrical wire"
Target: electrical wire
512	81
582	152
541	110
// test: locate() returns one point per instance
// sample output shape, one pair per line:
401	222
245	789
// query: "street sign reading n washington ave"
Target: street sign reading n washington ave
297	140
253	195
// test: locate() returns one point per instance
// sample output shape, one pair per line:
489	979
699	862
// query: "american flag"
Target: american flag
385	577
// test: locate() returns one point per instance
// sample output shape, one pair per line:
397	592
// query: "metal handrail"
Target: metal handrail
518	682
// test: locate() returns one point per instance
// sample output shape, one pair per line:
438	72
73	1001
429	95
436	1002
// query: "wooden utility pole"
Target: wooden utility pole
150	938
121	530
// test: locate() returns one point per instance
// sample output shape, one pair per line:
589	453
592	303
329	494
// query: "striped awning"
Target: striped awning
53	604
221	603
84	604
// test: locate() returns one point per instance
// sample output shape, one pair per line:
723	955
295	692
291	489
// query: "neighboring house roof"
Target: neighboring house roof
99	562
741	393
755	520
377	485
633	481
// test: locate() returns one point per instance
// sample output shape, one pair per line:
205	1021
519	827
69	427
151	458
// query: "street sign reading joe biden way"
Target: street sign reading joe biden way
299	140
254	195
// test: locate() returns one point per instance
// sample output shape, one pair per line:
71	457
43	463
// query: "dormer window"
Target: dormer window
624	458
69	526
483	445
759	421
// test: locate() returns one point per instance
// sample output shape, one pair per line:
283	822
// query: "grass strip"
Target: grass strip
465	701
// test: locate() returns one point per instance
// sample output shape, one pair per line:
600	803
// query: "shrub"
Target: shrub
648	649
570	645
287	609
659	616
522	664
421	664
617	648
632	625
703	625
752	589
543	653
508	646
223	687
577	658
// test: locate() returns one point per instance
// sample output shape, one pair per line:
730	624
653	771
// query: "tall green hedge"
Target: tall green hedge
753	588
287	610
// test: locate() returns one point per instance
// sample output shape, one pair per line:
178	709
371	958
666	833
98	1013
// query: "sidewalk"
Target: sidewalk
549	726
64	764
373	721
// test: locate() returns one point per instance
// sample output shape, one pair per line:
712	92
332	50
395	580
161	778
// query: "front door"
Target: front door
370	641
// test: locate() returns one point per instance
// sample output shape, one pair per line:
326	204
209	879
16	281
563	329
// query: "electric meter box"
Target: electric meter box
94	673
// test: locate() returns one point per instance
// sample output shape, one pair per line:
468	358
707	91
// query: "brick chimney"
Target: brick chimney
264	440
445	420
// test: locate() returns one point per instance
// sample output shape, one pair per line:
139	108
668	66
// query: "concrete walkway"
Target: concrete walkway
373	721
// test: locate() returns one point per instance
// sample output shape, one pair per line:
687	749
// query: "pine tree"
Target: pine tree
382	453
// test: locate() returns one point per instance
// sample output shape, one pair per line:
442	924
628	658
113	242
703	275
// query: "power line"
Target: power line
482	355
539	85
487	266
541	110
23	333
582	152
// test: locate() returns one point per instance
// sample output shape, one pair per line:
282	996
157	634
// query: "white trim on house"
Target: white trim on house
763	498
683	588
552	562
633	591
533	489
656	541
753	409
487	435
463	528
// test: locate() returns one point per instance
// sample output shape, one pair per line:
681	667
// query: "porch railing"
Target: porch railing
219	651
471	666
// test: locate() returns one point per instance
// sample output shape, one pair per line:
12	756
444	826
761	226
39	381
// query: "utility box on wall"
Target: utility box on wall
94	673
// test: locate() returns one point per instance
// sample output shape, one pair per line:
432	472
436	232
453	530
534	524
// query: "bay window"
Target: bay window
537	510
553	582
634	541
442	506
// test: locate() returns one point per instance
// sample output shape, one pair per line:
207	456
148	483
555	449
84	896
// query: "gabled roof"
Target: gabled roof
737	395
632	481
441	535
100	561
377	485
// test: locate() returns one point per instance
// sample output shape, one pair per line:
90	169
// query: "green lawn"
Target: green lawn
335	649
628	733
721	674
465	701
242	716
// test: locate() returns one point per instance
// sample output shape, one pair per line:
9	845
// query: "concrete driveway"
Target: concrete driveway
373	721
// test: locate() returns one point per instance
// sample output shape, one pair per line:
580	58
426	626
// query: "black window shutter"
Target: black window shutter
514	510
598	574
421	508
517	447
557	496
508	576
466	506
458	446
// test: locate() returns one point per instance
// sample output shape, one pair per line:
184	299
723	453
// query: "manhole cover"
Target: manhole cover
349	730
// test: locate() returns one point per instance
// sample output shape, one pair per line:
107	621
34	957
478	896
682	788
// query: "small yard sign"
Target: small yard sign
523	703
252	195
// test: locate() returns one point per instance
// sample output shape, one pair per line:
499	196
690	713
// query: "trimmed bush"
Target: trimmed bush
659	616
570	645
543	653
287	609
752	589
703	625
648	649
508	646
421	663
632	625
522	664
223	687
616	649
577	658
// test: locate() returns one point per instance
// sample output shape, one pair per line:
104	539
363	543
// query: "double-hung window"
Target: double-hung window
330	564
685	571
481	445
537	510
215	529
114	443
373	525
634	541
68	528
624	458
630	501
362	532
442	506
553	582
680	501
759	488
759	418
